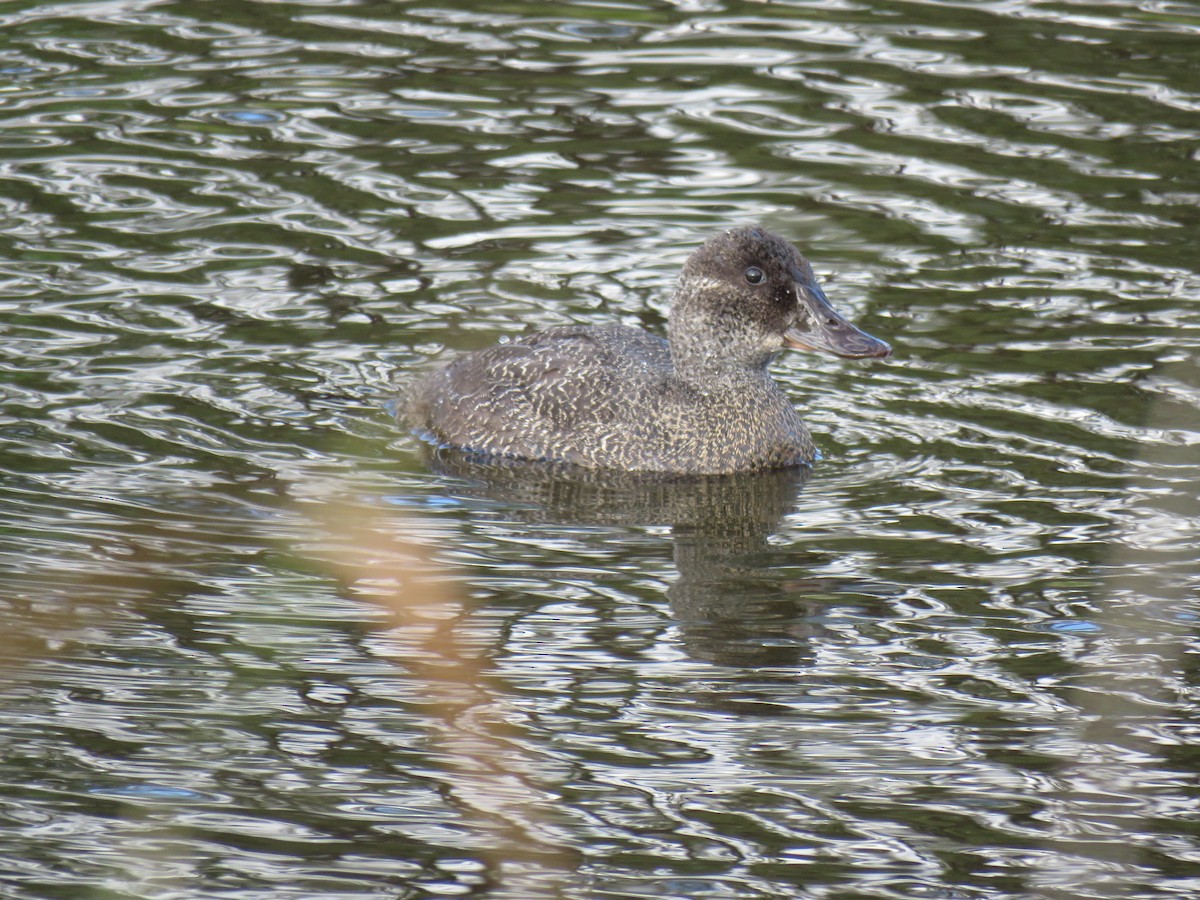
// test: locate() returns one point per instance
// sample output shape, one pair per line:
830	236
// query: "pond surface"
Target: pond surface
258	644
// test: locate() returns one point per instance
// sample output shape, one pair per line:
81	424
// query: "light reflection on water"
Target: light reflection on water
258	644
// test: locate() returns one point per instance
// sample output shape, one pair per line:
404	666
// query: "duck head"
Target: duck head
747	294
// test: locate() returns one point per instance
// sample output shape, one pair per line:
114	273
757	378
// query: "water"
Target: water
258	645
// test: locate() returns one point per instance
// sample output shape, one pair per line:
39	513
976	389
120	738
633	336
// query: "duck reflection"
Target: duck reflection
733	599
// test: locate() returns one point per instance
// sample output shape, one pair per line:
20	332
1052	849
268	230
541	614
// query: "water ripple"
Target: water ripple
256	642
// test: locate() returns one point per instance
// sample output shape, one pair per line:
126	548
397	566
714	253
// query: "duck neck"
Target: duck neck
711	360
710	343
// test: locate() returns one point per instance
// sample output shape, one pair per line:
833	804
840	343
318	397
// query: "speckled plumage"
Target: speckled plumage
614	397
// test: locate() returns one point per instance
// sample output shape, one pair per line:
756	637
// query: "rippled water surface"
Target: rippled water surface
257	644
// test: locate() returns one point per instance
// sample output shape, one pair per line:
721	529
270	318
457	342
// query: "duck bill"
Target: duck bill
823	328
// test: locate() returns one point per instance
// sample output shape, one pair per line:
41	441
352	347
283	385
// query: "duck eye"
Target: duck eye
754	275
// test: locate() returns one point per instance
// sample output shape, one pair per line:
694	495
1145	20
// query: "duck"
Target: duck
700	401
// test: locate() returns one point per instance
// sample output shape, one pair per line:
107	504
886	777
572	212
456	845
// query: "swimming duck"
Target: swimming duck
615	397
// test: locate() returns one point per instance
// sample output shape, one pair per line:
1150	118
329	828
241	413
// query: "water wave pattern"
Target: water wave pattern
257	644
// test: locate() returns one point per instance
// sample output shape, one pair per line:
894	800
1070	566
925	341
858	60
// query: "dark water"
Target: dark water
256	645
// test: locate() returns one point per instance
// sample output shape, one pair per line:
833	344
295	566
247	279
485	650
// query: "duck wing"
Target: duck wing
558	394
